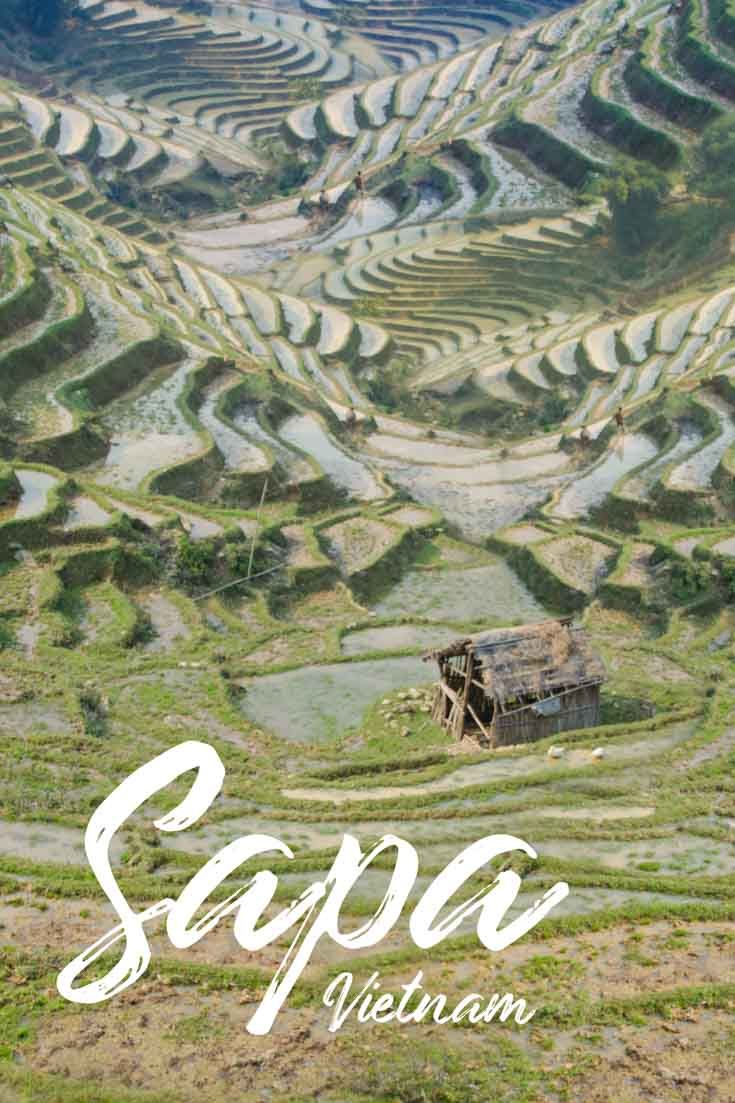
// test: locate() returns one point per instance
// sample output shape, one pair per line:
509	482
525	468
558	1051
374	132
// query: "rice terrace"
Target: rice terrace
339	339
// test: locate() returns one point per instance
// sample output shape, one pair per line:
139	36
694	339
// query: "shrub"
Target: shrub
715	159
238	558
292	173
554	408
305	88
194	560
41	17
370	306
635	192
9	486
391	389
688	580
689	231
727	577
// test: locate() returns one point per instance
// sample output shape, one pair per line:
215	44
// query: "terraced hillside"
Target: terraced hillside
165	106
407	35
260	452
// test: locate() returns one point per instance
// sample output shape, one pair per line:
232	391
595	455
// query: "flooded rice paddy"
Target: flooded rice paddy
477	511
84	512
35	489
315	704
167	624
491	592
641	484
696	472
589	491
306	432
35	403
297	678
239	453
297	467
367	216
149	432
397	637
42	842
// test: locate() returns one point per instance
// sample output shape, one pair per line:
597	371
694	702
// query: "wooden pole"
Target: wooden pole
257	527
479	722
237	582
469	668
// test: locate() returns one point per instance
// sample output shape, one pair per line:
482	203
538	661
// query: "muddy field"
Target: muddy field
271	435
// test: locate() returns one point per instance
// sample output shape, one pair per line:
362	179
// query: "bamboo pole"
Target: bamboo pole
237	582
478	721
257	526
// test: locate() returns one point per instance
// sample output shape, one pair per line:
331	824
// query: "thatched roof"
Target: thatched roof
530	660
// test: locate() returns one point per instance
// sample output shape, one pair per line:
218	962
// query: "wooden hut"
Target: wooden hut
514	685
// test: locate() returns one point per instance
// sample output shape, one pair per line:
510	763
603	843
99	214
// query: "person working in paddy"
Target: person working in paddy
359	184
619	420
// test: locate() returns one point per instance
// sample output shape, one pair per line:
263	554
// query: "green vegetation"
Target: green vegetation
305	88
451	1076
254	466
636	193
10	488
41	17
716	159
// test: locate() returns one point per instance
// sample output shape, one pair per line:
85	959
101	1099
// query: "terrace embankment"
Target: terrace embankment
262	449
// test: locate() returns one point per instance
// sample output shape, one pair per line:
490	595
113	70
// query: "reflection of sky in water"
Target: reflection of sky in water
238	452
131	458
246	420
630	450
366	216
493	591
477	511
697	471
316	703
396	637
35	491
85	511
306	432
639	486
